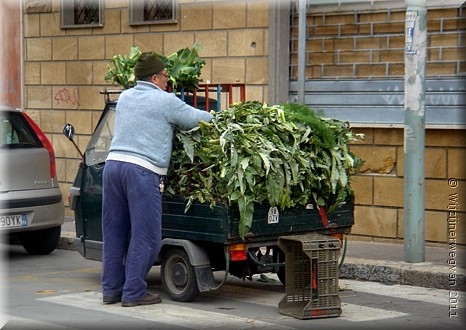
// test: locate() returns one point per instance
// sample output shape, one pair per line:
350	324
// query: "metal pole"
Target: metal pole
302	50
414	130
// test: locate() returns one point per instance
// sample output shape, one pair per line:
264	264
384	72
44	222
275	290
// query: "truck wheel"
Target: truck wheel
178	276
40	242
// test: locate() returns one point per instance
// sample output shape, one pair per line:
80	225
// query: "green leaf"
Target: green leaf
246	210
245	163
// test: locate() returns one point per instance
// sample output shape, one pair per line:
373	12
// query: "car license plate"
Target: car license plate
13	220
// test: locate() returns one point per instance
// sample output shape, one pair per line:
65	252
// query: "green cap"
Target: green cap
147	64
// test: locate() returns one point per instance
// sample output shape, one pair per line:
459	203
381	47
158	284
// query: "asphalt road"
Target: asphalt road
62	291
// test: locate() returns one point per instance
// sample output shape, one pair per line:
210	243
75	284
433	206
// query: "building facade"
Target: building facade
255	43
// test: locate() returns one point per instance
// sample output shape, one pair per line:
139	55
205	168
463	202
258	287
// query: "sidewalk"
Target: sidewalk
379	262
384	262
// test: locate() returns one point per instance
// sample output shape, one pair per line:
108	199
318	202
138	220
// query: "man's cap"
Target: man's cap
148	64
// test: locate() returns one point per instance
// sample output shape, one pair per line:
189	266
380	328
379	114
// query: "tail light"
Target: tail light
45	143
238	252
339	236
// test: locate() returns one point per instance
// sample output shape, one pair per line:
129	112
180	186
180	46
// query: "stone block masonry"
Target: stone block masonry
370	44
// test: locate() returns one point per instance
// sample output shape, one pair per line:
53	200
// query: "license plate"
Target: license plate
273	215
13	220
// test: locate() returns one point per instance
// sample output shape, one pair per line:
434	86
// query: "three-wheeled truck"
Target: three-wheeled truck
202	240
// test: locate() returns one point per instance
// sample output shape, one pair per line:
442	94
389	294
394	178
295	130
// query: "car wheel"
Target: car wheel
41	242
178	276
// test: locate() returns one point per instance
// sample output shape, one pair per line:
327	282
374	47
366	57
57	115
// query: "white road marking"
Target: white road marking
414	293
167	313
350	312
26	324
194	318
357	313
197	319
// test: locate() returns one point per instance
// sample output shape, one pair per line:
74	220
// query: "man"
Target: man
138	160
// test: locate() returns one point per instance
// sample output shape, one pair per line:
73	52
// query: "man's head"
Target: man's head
151	68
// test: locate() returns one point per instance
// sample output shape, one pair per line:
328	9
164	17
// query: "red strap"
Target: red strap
323	216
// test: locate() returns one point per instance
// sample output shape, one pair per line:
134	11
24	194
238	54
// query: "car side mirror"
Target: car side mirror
68	131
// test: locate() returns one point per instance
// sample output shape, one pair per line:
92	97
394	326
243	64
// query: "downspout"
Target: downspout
414	130
302	50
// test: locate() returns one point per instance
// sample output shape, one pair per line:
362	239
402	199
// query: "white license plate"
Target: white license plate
273	215
13	220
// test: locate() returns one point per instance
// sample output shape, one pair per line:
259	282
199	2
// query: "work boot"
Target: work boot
111	299
149	299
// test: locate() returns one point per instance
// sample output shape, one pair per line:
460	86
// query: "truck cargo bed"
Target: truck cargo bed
220	224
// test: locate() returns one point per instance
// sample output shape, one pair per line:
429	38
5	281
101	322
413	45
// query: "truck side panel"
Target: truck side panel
220	224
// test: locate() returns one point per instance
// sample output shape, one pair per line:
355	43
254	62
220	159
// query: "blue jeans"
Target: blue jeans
131	228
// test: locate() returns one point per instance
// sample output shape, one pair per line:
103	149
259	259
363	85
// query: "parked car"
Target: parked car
31	205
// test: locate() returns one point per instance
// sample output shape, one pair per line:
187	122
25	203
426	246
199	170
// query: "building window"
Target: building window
152	12
81	13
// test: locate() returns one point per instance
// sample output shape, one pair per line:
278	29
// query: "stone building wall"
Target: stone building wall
379	189
64	69
369	44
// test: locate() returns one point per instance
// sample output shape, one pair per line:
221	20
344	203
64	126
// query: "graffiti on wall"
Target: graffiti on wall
66	96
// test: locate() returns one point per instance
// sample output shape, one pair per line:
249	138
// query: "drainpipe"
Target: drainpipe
414	130
301	49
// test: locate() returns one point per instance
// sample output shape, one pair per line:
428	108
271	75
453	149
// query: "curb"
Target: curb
66	243
387	272
424	274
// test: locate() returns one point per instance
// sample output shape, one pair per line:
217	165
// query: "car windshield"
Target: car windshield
15	132
97	149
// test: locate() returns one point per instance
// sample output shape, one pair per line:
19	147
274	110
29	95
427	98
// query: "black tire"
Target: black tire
178	276
40	242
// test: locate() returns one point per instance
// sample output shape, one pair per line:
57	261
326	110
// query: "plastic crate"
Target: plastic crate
311	274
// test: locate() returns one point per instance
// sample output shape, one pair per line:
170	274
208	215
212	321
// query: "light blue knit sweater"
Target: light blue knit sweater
144	124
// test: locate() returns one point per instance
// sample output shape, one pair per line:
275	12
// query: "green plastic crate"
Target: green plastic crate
311	272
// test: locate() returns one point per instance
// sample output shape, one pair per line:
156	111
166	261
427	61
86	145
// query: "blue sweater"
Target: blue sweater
144	125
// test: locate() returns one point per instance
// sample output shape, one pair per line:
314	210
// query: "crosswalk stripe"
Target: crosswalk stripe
27	324
350	312
414	293
194	318
167	313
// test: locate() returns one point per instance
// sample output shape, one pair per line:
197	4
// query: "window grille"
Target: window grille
152	12
86	12
81	13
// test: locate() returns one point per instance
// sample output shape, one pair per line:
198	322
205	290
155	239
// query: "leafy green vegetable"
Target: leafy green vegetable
252	153
122	72
183	68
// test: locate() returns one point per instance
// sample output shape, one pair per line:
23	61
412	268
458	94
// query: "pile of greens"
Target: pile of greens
183	68
121	72
251	153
